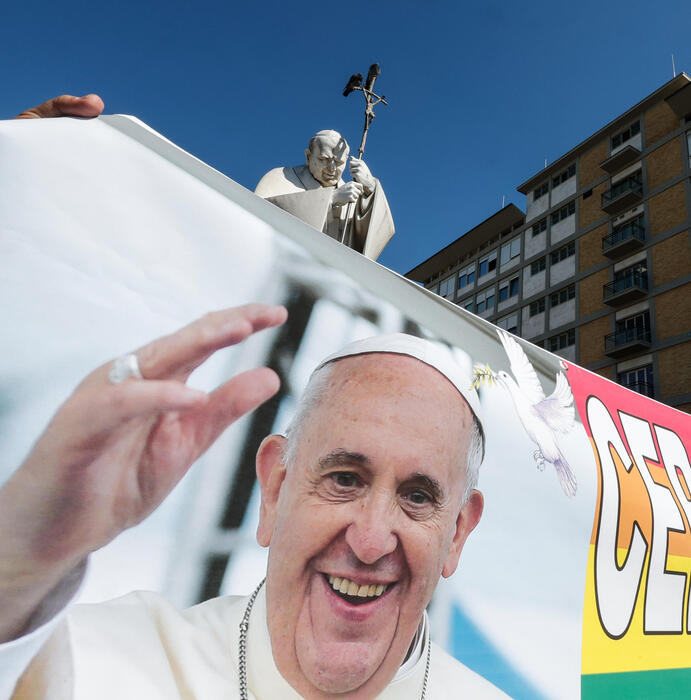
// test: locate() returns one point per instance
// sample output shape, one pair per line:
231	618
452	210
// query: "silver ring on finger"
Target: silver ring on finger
123	368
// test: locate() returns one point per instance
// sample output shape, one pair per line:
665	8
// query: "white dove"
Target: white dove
541	416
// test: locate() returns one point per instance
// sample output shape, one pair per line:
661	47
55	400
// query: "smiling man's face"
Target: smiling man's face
363	522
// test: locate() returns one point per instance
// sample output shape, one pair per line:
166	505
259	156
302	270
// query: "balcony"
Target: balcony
620	159
624	195
626	341
626	289
645	388
624	240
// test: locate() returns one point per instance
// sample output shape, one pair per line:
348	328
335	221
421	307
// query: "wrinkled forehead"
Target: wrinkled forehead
378	380
331	146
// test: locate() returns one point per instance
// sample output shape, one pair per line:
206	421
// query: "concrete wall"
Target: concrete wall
562	270
562	314
565	228
566	189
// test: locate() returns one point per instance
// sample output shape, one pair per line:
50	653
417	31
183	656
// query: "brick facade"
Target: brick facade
589	165
659	121
590	209
672	259
590	248
672	313
667	209
664	163
590	292
591	343
674	369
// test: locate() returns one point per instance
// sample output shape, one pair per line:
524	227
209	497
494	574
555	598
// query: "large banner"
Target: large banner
575	582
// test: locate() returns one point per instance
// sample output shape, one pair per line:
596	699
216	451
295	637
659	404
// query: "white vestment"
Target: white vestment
140	647
370	224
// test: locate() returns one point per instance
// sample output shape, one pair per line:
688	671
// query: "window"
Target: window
537	266
564	212
509	323
563	295
488	263
447	286
563	340
633	182
626	135
564	176
485	300
468	306
466	277
633	328
537	307
564	252
539	227
510	250
508	289
631	277
540	191
639	380
634	275
633	228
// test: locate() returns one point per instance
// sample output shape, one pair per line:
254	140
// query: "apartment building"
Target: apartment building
598	268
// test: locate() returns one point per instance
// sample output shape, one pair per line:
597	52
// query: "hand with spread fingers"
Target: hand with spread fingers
66	106
115	450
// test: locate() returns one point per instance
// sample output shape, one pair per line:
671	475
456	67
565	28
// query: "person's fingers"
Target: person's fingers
238	396
66	106
182	352
103	408
175	356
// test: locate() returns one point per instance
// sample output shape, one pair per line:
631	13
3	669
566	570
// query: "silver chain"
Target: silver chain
242	649
242	645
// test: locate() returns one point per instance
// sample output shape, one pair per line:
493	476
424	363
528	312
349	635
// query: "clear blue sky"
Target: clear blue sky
480	93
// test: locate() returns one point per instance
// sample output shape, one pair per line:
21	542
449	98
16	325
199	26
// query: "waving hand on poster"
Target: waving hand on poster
115	450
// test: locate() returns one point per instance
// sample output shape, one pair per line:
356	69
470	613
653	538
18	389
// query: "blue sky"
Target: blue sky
480	94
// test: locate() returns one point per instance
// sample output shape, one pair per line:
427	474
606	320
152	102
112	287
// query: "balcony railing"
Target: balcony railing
626	340
624	239
645	388
623	195
626	288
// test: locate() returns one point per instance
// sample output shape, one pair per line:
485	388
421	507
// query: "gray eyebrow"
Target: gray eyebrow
341	457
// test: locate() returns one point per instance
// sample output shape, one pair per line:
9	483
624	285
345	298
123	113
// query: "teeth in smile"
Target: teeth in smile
348	587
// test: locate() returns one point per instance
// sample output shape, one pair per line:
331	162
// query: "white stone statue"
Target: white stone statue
355	212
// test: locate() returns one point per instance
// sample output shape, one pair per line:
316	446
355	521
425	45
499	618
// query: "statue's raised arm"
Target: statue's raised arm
355	213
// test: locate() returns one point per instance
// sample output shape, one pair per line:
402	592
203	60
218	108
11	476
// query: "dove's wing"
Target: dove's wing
521	368
567	478
557	409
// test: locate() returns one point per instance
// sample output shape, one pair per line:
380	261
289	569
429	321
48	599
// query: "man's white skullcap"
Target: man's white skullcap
453	363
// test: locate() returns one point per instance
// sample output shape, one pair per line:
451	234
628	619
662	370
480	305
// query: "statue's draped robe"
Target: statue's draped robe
140	647
370	225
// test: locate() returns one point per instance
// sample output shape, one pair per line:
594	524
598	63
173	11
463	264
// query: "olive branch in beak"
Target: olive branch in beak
483	374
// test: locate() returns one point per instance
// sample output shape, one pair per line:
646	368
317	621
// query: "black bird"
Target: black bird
372	75
354	82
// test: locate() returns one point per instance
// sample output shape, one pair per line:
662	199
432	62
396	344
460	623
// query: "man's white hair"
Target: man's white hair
312	397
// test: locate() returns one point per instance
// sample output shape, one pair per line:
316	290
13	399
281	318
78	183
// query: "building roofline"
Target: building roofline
492	225
662	92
